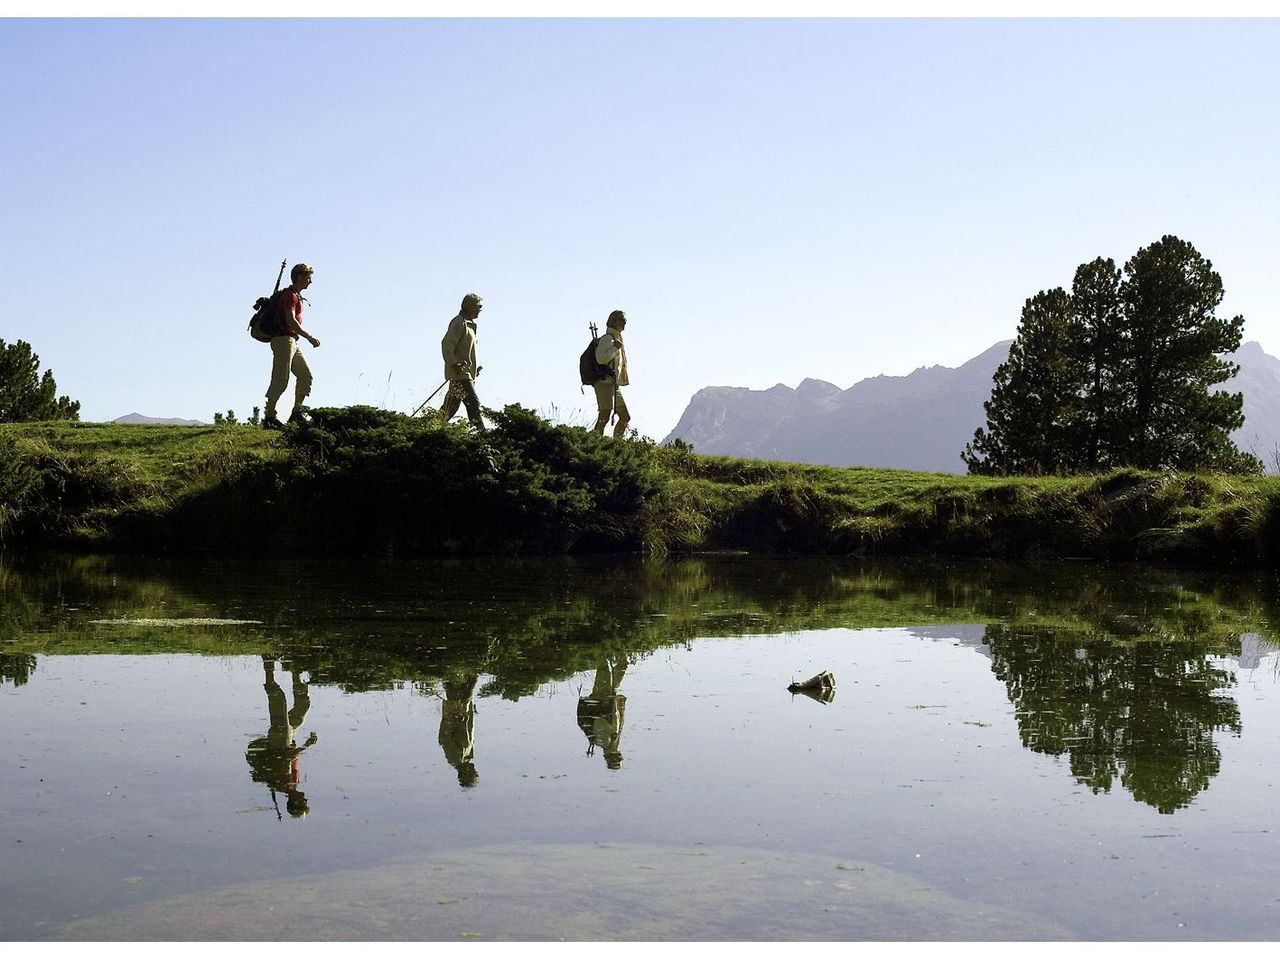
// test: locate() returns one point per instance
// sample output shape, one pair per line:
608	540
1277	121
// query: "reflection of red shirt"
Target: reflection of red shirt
290	303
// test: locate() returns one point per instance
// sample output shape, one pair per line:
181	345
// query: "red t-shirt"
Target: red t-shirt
290	304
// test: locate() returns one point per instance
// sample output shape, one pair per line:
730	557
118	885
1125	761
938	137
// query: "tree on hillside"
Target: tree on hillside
26	396
1034	409
1171	358
1096	332
1118	373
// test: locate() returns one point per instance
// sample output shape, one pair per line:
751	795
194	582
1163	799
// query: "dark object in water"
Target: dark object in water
821	687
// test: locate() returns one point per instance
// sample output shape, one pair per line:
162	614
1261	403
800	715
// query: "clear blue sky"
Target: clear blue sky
768	200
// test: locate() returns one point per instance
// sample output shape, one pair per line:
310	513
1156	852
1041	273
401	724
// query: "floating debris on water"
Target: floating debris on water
821	687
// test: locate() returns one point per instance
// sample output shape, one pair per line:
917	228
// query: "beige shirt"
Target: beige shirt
459	346
610	353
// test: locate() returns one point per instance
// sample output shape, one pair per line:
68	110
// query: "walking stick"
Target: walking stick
429	399
435	391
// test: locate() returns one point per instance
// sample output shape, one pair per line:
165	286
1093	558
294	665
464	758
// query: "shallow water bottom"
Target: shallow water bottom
601	892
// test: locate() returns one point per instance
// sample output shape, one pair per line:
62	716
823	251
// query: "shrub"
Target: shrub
377	478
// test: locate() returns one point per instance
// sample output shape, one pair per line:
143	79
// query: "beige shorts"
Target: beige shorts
609	396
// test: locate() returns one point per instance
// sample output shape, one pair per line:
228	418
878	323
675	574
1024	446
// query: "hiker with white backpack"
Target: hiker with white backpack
611	358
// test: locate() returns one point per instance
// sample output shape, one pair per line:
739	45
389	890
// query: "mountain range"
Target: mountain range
164	421
920	421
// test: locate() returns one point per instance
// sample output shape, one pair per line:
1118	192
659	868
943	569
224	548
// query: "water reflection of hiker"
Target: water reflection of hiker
273	759
600	714
458	728
459	349
610	353
286	358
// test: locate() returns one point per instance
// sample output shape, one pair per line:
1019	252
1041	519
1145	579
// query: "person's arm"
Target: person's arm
449	346
292	326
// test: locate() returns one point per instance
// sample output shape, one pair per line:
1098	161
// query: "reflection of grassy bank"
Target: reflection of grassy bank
1116	670
365	625
363	481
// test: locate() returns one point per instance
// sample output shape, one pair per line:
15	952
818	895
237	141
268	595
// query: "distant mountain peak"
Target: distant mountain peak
136	418
917	421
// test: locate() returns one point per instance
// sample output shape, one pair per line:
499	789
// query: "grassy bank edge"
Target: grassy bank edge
537	488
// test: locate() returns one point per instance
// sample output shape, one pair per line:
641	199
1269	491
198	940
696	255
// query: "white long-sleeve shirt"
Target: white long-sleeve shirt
611	353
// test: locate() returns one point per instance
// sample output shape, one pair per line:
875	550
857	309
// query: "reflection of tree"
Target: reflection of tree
518	625
601	713
1144	710
273	759
16	667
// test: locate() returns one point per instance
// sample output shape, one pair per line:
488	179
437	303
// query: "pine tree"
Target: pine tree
1033	413
1096	328
26	396
1171	345
1121	372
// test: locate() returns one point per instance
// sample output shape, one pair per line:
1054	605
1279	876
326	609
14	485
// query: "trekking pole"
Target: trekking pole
279	277
429	399
613	413
435	391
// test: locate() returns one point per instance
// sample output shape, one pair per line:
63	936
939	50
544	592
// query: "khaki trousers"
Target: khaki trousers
286	358
609	400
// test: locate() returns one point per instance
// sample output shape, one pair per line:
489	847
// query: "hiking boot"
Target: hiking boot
272	423
299	419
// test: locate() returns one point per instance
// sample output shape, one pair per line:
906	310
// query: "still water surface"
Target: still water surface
603	749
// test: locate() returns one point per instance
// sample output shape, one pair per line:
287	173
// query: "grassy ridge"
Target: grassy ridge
363	481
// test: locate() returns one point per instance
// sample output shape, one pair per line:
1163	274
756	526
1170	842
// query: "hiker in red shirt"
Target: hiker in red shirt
286	358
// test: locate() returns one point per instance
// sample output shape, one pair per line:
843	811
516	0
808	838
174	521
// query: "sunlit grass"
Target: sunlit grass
102	483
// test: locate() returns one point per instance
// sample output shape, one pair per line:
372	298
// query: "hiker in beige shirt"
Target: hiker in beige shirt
459	349
612	354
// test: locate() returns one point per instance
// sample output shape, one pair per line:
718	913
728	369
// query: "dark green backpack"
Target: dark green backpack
266	321
588	368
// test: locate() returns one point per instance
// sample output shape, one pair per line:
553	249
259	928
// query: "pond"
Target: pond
606	749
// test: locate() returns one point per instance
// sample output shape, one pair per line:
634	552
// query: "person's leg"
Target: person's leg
472	403
301	700
451	400
604	403
624	416
301	380
277	706
282	350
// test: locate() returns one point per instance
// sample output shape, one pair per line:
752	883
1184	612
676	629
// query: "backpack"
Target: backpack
266	320
589	369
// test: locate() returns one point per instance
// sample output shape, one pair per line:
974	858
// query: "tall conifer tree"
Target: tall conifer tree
1096	334
24	394
1121	372
1034	404
1171	346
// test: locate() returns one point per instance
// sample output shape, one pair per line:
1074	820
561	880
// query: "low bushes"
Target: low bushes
358	480
377	478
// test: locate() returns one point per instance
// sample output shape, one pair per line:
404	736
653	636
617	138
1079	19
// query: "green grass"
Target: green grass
861	509
369	481
78	482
